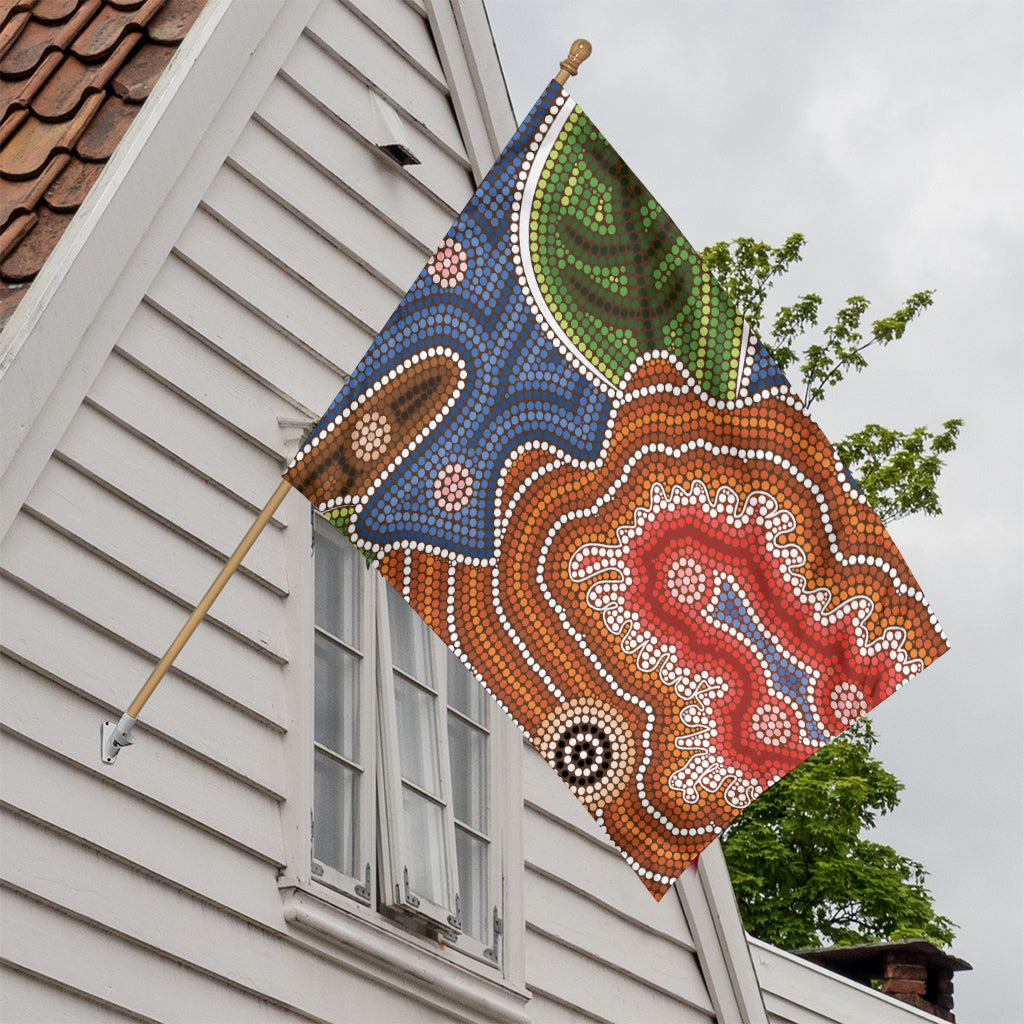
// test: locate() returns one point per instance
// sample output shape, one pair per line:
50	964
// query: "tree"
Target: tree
803	872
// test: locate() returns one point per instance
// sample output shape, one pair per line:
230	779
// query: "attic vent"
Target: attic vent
390	135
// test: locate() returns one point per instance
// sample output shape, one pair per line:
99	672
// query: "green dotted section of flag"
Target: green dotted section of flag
615	272
341	518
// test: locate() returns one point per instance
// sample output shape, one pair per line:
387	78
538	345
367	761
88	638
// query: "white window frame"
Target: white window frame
396	851
327	906
359	886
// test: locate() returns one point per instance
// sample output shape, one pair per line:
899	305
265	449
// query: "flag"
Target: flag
572	457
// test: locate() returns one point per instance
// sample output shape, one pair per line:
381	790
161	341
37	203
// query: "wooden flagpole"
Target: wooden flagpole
115	736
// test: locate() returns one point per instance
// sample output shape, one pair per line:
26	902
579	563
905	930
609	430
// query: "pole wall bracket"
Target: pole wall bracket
114	737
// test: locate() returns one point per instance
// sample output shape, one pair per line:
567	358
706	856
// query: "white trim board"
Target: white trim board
706	896
64	328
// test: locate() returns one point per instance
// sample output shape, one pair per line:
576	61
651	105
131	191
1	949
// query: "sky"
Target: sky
889	133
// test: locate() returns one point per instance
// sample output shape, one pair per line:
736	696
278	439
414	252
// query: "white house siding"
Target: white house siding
149	891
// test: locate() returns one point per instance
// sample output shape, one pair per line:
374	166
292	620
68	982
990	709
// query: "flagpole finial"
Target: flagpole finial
578	53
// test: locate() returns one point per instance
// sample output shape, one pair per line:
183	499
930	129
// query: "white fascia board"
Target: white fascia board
56	342
810	992
709	904
469	58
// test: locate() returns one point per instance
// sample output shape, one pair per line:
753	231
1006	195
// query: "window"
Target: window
405	798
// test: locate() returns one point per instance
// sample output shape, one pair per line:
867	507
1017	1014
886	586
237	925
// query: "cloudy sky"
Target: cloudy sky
887	131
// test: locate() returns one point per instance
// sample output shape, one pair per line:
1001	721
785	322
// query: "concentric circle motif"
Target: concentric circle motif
447	267
453	488
371	436
591	747
848	703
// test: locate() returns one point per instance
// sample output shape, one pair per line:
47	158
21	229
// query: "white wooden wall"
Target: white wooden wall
150	891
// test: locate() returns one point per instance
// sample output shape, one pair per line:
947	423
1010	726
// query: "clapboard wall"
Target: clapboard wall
150	891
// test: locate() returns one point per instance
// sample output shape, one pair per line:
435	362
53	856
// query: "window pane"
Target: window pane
335	813
336	721
472	858
338	584
417	736
410	638
467	748
424	837
465	692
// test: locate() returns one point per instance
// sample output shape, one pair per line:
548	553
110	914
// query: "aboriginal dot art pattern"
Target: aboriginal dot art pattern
570	455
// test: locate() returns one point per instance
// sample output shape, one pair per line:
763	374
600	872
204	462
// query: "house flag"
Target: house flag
576	462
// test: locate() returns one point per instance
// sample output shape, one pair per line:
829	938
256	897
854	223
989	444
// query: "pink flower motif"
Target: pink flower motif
453	487
448	265
771	725
848	703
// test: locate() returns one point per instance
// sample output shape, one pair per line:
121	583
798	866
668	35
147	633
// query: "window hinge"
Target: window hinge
363	891
317	869
413	901
492	953
455	920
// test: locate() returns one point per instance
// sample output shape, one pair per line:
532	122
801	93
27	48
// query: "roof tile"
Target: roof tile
28	150
22	196
39	39
72	186
174	20
8	8
10	296
135	81
28	258
18	94
11	30
106	129
11	124
70	83
109	27
53	11
15	232
74	73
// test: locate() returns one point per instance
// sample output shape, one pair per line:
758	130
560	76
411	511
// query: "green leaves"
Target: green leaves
899	471
803	873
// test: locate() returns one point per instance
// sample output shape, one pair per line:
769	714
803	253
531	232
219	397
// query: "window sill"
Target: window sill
400	961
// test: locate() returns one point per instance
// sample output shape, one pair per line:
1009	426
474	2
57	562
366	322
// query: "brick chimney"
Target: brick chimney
912	970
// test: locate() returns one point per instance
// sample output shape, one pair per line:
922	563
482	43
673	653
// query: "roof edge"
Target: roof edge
71	316
709	905
469	58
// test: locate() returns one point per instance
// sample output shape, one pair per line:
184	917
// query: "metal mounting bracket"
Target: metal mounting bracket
114	737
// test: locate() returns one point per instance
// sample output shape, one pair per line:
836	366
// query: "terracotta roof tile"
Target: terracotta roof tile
106	129
11	30
18	94
72	77
11	124
10	296
173	20
38	39
54	11
135	81
8	8
12	235
70	83
28	150
22	196
71	187
28	258
109	27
